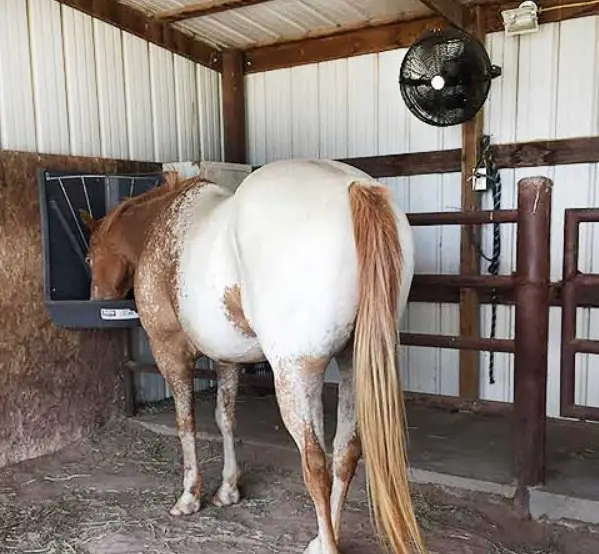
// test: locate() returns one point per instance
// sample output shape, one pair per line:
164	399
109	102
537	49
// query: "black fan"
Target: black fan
445	77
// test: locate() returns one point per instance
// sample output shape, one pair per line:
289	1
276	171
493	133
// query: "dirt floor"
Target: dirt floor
110	494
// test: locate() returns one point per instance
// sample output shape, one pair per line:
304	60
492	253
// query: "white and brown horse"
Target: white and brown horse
306	262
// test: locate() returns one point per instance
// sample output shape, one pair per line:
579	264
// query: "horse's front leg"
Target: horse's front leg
228	382
176	362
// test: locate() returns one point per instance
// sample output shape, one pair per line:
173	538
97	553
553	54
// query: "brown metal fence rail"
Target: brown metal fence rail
576	286
531	286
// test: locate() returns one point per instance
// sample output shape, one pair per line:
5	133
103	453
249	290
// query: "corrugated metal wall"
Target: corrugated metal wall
71	84
549	89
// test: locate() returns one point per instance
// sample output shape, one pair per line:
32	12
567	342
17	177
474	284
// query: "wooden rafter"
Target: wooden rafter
388	36
200	10
369	40
160	33
451	10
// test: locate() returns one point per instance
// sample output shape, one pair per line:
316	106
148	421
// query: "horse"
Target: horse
307	261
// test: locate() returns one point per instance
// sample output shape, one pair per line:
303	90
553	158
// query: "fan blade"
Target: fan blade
415	82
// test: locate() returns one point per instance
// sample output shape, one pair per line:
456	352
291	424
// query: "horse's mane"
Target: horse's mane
173	186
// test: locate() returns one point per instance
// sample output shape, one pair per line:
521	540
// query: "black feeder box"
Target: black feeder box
65	239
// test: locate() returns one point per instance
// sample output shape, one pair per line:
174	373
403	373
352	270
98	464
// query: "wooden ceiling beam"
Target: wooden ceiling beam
200	10
369	40
451	10
399	34
137	23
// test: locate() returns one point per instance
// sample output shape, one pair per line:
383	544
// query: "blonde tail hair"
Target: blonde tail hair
379	398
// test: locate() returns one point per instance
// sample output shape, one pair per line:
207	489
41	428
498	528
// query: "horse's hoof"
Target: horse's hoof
226	495
186	505
315	548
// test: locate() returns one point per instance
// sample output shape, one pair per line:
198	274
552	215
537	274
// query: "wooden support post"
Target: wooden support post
234	106
531	329
472	132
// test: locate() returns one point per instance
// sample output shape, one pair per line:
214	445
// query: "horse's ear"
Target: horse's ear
88	220
171	179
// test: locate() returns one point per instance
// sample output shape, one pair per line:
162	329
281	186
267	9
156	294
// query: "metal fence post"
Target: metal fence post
531	329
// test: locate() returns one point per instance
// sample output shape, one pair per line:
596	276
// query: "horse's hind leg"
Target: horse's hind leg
228	381
299	394
175	361
346	446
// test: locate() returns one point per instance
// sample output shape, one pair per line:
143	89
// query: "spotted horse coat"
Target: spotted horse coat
307	261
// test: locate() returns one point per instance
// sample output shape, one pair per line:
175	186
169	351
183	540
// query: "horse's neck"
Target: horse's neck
135	223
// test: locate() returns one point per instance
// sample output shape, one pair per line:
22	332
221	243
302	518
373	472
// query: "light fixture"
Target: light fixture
521	20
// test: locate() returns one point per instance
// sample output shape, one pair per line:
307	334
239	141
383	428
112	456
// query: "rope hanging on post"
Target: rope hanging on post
493	177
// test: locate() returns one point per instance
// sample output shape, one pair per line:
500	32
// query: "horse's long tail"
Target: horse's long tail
379	399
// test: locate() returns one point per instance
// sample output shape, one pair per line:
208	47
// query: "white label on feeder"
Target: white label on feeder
117	314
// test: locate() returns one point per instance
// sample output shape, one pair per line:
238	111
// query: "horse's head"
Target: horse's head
111	270
117	240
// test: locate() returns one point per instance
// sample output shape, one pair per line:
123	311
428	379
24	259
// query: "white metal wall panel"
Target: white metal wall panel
138	98
547	90
188	140
164	112
332	108
362	101
433	369
82	88
49	83
537	81
111	90
305	112
70	84
393	116
256	119
578	83
279	141
209	85
17	119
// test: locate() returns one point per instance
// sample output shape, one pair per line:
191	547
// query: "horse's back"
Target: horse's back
296	250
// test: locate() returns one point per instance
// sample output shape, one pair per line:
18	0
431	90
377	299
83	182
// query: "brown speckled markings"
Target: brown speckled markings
298	386
55	384
317	476
234	311
176	234
228	384
144	235
310	364
156	289
347	448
